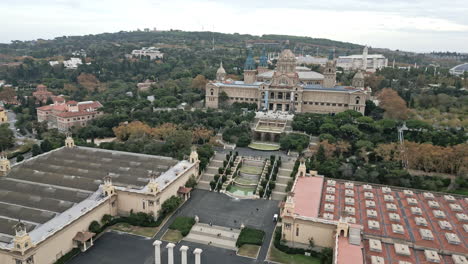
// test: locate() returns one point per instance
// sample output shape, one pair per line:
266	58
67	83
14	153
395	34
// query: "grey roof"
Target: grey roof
303	75
460	68
44	187
238	84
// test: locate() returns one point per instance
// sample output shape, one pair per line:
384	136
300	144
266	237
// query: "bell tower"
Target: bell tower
69	142
108	189
250	73
329	73
5	166
153	187
220	73
22	240
301	171
358	80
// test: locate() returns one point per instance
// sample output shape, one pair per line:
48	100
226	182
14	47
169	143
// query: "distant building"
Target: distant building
151	52
42	95
66	115
72	63
79	53
366	62
144	86
311	60
3	116
289	88
459	69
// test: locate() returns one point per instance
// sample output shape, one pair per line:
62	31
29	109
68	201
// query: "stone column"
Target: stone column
262	136
157	251
197	253
170	253
183	254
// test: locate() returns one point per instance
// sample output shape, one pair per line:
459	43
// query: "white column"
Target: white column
197	253
170	253
183	251
157	251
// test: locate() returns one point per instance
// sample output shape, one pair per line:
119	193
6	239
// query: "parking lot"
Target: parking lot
218	209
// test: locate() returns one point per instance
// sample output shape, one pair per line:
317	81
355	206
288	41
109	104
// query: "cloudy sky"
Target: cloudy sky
414	25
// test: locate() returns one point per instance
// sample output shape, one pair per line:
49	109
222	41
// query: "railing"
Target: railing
267	187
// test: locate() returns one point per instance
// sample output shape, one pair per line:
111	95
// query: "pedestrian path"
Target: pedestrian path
216	236
210	171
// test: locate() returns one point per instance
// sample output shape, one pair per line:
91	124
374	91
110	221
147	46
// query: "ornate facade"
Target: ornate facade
288	88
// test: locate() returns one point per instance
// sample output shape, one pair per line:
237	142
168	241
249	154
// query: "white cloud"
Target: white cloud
366	22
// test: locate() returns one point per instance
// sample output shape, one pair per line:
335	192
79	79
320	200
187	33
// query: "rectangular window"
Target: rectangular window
157	201
151	203
144	205
287	226
297	231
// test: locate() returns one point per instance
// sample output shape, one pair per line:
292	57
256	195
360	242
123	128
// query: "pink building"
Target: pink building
65	115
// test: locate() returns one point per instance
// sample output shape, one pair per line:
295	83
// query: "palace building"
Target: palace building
48	202
289	88
375	224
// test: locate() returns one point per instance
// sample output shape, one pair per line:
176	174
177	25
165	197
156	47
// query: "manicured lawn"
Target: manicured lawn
250	251
281	257
239	190
266	147
183	224
245	181
251	170
136	230
172	236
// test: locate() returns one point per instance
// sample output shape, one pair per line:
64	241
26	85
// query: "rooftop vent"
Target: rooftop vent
449	198
386	190
368	195
438	213
367	187
402	249
431	256
456	207
465	227
331	190
350	210
349	193
328	216
349	201
388	198
428	195
350	219
394	217
433	204
375	245
370	203
408	193
452	238
416	211
445	225
398	229
329	207
373	224
412	201
391	207
426	234
349	185
462	217
377	260
331	182
459	259
371	213
421	221
330	198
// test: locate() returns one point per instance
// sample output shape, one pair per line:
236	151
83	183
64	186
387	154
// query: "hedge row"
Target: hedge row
250	236
183	224
67	256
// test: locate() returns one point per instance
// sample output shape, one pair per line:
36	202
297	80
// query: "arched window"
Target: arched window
357	100
212	91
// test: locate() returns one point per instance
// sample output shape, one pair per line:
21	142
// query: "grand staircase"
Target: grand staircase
210	171
282	179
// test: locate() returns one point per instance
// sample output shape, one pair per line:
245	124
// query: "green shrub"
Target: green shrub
250	236
169	206
94	227
191	182
183	224
106	219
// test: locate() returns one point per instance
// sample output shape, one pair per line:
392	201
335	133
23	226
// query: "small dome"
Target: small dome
287	54
220	69
358	75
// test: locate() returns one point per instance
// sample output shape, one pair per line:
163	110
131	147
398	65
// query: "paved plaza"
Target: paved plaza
214	208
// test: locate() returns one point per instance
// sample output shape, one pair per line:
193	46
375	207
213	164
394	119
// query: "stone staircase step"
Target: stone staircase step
215	243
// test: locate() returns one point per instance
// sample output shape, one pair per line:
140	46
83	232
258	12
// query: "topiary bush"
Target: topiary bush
250	236
183	224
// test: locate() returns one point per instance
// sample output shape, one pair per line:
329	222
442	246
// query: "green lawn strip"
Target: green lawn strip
250	251
250	236
172	236
281	257
251	170
183	224
263	146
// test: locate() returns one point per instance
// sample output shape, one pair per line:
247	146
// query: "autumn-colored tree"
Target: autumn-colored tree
7	94
163	131
199	82
329	149
201	133
393	104
88	81
373	81
136	128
